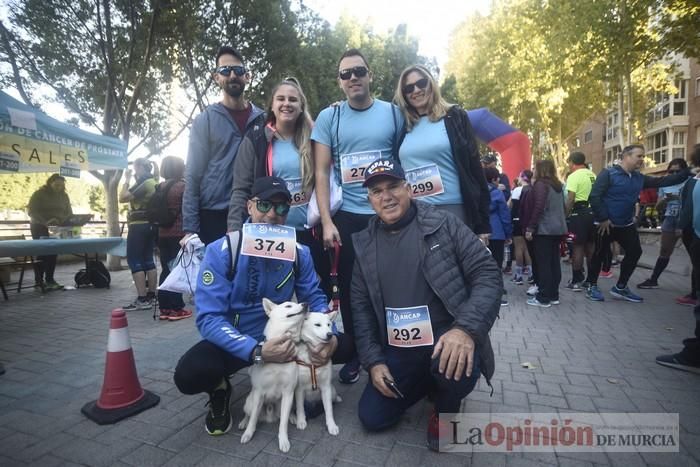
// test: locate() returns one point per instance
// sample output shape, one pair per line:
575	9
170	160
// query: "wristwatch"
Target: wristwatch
257	354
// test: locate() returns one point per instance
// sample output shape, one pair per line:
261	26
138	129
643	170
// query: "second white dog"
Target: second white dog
315	382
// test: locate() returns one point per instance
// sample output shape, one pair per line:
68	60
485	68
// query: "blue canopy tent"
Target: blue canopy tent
31	141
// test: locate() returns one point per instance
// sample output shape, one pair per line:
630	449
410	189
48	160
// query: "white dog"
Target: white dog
315	382
274	383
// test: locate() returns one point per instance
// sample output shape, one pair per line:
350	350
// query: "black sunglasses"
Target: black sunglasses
359	71
226	70
281	209
420	84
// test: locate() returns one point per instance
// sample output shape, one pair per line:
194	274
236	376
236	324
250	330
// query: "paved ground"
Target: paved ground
588	356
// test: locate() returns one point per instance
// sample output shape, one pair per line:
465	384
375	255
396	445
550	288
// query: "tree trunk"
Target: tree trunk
111	185
631	136
621	112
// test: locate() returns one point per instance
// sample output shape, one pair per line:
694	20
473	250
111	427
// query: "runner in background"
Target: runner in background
522	256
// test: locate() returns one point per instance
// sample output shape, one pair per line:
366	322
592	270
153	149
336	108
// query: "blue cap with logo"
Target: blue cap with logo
383	167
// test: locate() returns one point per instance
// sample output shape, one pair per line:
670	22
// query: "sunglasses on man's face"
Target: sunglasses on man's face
420	84
226	70
264	206
358	71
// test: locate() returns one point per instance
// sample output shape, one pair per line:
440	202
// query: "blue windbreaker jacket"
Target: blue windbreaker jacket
230	313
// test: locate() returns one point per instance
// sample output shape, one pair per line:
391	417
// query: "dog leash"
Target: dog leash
335	289
312	369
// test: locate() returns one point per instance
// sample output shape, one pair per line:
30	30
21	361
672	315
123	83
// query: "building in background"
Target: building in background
671	127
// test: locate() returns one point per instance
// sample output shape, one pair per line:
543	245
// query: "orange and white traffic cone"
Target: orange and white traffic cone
122	395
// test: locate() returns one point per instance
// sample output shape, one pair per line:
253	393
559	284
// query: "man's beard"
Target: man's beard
234	88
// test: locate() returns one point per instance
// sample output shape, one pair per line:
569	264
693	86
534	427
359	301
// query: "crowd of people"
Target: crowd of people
425	226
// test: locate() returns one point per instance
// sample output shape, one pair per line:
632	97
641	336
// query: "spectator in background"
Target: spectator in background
688	359
49	205
580	217
522	256
613	198
491	160
141	239
171	305
501	224
546	223
669	203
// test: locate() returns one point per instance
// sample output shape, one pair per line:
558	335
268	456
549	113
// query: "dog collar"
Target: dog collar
312	369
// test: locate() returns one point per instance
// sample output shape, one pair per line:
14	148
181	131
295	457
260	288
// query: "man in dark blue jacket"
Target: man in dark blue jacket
230	315
613	196
426	292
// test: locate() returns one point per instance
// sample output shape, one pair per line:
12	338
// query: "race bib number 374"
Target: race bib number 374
409	327
269	241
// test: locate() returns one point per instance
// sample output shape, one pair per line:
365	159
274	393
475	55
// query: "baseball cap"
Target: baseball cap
383	167
266	188
489	159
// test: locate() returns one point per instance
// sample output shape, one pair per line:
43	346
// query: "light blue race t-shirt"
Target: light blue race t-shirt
286	164
673	207
357	137
426	157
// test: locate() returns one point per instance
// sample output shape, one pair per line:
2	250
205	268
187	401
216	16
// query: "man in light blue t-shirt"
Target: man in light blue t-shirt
350	136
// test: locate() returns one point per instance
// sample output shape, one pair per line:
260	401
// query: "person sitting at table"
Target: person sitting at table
141	239
49	205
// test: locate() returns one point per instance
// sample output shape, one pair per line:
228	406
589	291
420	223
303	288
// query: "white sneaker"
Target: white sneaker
532	290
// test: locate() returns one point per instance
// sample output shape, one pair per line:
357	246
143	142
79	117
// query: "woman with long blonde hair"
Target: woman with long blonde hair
282	148
439	152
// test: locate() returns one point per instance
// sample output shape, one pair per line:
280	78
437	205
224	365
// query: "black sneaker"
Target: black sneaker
218	419
648	284
350	373
677	362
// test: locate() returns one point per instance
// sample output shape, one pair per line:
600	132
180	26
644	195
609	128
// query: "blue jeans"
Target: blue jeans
416	376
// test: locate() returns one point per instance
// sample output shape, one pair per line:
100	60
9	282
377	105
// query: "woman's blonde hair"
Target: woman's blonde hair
302	132
437	106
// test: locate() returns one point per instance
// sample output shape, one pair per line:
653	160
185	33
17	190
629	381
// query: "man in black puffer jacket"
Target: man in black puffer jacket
426	292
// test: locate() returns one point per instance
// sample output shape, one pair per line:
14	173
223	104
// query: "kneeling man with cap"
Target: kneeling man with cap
425	294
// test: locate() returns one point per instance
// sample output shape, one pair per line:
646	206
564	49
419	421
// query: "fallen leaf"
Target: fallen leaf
528	365
669	329
613	381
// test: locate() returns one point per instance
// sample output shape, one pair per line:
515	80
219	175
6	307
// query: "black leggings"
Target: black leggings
347	224
203	366
628	238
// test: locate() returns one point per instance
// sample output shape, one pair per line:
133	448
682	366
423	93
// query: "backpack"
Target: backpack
157	211
95	274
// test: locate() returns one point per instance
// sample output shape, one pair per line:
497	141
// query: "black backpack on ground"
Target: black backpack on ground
96	274
157	211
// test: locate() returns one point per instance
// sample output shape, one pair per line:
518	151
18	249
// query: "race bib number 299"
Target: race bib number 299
269	241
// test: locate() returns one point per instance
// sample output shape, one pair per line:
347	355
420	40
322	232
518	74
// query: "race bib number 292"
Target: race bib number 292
409	327
269	241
